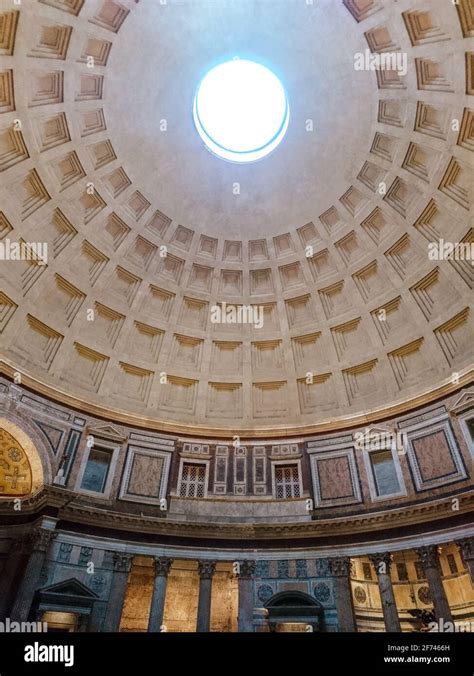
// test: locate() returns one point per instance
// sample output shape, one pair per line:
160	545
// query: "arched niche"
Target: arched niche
294	611
21	468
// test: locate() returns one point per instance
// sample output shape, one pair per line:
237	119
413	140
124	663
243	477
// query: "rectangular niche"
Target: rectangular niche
194	313
409	363
7	310
145	476
124	285
261	282
333	299
186	351
322	265
299	311
371	281
37	343
106	325
225	400
391	319
350	338
317	394
179	394
65	298
433	294
434	456
267	355
362	382
291	276
133	383
146	341
269	399
335	478
269	314
57	230
158	302
86	367
226	356
307	351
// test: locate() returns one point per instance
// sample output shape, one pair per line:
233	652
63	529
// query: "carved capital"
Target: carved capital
162	566
122	562
247	569
340	566
38	540
382	562
466	545
206	569
429	556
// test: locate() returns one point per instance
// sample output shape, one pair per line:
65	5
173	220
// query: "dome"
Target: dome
287	293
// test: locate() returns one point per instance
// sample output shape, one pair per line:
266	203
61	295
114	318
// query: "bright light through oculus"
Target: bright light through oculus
241	110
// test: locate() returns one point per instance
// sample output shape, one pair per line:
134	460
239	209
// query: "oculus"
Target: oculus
241	110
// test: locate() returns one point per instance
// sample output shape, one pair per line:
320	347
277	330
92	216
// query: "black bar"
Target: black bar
310	653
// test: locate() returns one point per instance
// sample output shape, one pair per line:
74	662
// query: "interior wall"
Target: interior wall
225	599
136	609
411	594
182	594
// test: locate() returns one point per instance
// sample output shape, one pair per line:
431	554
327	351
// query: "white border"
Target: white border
332	502
132	451
101	445
444	426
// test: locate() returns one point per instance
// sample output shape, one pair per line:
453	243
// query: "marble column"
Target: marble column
10	569
206	573
382	564
246	573
122	564
466	545
429	558
37	542
162	566
340	569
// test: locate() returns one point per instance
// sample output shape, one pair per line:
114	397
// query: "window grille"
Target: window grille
287	482
193	480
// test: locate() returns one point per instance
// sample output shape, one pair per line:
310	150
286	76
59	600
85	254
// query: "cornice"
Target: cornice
71	509
447	387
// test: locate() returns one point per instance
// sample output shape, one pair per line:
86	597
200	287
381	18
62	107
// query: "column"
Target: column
37	543
162	567
382	564
340	569
246	573
9	572
122	564
466	545
429	558
206	572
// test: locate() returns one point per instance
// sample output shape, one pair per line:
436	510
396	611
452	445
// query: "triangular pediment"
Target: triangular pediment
106	432
371	434
70	587
463	402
